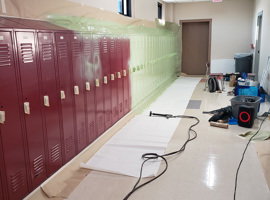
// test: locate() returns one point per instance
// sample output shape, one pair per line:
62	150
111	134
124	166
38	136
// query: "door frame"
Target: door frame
209	38
258	38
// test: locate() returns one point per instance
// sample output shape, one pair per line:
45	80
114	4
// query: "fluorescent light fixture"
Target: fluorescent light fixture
186	1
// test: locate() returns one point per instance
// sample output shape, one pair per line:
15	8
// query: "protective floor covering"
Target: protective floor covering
122	154
204	171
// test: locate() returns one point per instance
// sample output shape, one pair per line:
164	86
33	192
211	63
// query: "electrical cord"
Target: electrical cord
155	156
243	155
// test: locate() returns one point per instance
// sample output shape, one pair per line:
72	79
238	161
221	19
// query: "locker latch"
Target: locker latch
118	74
26	106
105	80
124	73
76	90
97	82
62	93
87	86
46	101
2	117
112	77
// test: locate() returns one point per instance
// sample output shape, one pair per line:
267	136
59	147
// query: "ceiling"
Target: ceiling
182	1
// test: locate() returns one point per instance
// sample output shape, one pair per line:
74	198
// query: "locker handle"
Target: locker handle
118	74
2	117
62	93
97	82
105	80
87	86
76	90
26	106
124	72
46	101
112	77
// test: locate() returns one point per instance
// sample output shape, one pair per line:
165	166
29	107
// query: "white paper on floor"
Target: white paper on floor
122	154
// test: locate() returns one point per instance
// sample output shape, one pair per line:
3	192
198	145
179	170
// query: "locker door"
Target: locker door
50	105
1	188
126	77
66	97
31	105
89	82
98	85
114	83
78	86
105	64
119	63
10	122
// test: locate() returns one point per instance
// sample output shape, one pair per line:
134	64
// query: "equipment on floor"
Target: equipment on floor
246	116
154	156
220	114
220	125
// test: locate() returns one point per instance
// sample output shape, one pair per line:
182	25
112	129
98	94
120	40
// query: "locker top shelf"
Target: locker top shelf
12	22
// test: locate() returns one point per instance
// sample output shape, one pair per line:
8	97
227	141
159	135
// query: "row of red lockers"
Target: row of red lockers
59	91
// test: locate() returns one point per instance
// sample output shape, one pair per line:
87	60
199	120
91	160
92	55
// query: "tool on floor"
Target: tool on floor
220	125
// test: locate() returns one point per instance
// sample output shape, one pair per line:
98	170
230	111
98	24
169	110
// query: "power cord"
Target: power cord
155	156
243	155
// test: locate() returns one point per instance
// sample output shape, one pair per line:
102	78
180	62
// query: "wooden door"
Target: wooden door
195	47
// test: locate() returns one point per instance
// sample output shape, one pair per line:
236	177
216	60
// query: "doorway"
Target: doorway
258	45
196	45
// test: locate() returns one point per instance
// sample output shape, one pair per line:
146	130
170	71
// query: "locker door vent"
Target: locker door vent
38	165
91	128
62	46
121	107
87	48
46	52
96	47
126	103
100	122
76	49
27	53
108	116
114	111
79	136
112	46
105	46
55	153
118	46
5	59
69	144
17	180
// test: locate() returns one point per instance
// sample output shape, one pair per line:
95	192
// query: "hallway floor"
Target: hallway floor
205	170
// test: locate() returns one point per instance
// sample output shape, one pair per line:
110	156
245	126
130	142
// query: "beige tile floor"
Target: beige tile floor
205	170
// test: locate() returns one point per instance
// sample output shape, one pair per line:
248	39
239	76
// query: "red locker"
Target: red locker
66	94
98	85
114	82
120	88
89	82
126	77
12	145
78	87
50	103
106	68
2	196
31	104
